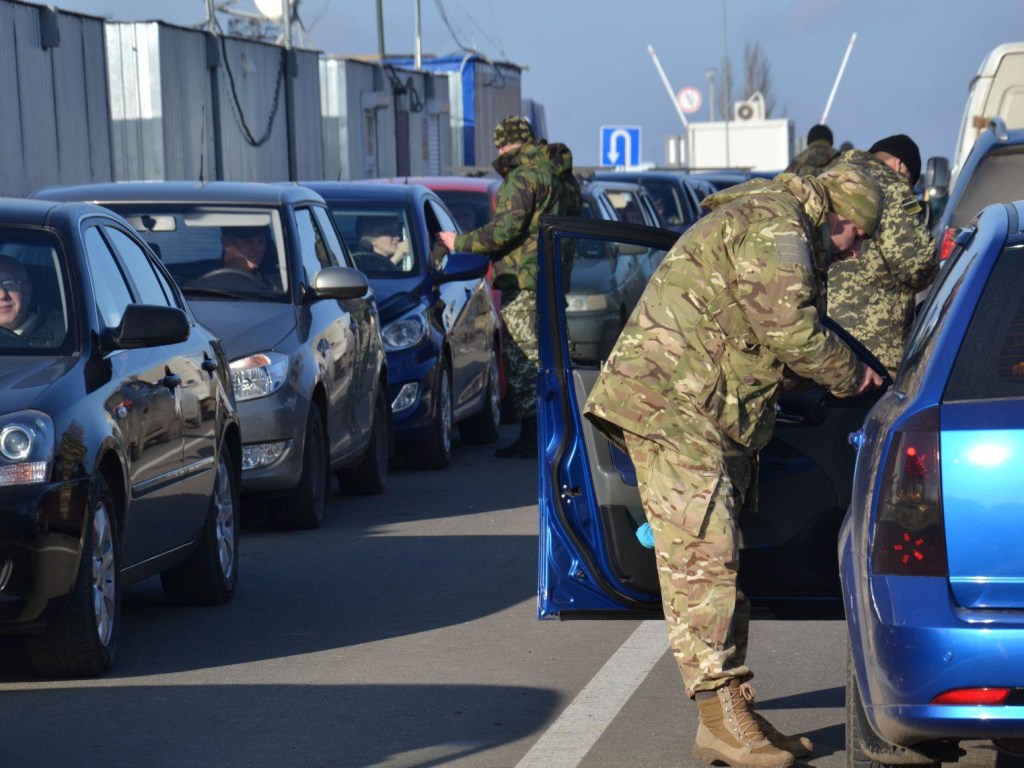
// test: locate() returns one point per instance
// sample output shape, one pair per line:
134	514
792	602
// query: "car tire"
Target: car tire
371	475
303	508
858	731
82	639
482	428
210	574
436	451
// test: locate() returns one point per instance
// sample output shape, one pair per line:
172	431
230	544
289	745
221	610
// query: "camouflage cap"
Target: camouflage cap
854	195
512	130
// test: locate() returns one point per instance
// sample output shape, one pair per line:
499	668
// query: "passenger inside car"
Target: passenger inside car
30	322
381	244
246	249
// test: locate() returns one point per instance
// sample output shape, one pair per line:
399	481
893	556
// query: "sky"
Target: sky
587	61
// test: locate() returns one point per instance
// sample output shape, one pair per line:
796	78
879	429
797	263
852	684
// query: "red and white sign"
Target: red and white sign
689	99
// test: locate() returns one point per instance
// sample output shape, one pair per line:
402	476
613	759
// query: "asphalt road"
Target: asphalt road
404	633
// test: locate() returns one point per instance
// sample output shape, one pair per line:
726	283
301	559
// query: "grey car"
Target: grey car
262	265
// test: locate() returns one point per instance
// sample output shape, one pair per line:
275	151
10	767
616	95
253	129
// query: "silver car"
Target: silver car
262	265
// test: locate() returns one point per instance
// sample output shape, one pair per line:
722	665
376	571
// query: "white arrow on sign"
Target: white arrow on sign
613	152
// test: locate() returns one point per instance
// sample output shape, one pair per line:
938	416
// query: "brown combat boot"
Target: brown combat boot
797	746
729	732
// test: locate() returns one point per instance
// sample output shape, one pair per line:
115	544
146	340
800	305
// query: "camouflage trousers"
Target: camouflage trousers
519	349
693	507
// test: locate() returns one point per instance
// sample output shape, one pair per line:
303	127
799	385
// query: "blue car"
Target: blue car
440	329
590	558
932	578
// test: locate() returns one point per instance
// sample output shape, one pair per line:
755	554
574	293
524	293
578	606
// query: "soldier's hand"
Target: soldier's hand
448	238
870	380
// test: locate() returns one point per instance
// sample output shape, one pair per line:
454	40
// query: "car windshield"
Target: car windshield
379	239
33	293
226	252
996	179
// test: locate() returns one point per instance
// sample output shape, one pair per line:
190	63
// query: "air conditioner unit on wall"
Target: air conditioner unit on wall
750	110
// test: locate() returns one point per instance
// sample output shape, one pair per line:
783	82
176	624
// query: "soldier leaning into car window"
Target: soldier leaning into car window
689	391
818	156
874	295
538	180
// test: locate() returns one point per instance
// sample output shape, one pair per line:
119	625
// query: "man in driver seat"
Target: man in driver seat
250	250
36	327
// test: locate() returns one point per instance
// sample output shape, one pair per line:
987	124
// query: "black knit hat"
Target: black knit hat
819	132
902	147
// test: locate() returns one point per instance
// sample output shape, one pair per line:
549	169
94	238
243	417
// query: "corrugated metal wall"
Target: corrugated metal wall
55	128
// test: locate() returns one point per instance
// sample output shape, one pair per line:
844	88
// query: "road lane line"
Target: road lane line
570	737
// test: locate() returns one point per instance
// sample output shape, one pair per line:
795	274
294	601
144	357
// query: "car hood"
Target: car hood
245	327
395	297
23	380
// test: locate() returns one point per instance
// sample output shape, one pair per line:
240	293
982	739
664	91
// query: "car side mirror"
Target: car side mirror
338	283
462	266
148	325
936	177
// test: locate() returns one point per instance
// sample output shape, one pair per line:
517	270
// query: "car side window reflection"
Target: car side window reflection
109	285
336	252
142	274
313	250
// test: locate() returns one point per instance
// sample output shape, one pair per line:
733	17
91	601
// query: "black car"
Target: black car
263	266
675	197
120	450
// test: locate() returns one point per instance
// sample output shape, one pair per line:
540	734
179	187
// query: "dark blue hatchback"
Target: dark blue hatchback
932	577
439	325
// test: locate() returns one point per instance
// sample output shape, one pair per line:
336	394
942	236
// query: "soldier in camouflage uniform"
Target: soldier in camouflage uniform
818	156
874	295
690	390
538	181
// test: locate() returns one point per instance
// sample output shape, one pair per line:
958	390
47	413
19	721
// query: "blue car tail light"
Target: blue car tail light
909	537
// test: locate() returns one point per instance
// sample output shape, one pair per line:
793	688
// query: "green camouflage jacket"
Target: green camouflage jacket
735	303
817	158
538	181
873	296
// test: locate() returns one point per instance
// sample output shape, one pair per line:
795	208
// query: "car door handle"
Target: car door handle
171	380
209	365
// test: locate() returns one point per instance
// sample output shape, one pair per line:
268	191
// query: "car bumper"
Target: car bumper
40	549
410	369
275	420
922	645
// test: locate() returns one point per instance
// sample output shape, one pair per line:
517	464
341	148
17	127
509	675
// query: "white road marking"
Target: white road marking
578	728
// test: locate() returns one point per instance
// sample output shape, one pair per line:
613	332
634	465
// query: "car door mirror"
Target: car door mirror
147	325
936	177
462	266
338	283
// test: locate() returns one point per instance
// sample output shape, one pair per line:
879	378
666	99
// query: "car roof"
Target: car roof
661	175
368	191
446	183
236	192
30	212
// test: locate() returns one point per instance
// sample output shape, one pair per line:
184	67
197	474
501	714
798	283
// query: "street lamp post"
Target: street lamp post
709	73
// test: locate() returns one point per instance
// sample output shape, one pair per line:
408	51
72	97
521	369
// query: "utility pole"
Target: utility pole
380	28
418	60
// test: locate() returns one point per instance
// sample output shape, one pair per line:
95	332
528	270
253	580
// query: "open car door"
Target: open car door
590	560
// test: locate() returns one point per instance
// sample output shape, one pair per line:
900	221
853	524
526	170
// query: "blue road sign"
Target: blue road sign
620	145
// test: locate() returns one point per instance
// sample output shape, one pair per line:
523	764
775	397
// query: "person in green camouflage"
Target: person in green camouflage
874	295
538	180
818	156
689	390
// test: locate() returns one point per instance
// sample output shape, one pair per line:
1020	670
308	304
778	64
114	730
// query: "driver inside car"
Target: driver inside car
250	250
18	316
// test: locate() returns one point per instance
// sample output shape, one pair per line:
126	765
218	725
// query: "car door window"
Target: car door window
312	248
148	287
337	254
109	285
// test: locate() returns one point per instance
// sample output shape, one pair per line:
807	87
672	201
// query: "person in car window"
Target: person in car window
818	156
689	391
34	325
382	236
251	250
874	295
538	180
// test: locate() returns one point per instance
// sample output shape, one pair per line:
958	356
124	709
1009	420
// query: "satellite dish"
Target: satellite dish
271	10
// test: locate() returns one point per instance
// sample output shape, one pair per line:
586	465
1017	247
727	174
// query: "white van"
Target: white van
996	91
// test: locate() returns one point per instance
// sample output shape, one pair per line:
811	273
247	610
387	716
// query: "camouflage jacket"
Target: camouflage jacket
817	158
873	296
538	181
734	305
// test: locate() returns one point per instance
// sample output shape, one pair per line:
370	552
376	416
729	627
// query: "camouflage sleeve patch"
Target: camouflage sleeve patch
910	204
793	249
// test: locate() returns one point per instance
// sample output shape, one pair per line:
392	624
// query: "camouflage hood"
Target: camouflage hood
808	191
555	159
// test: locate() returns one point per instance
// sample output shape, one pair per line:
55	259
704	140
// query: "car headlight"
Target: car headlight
26	448
258	375
404	332
586	302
